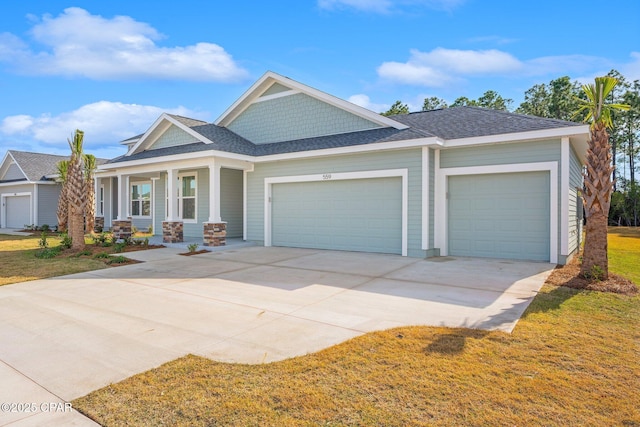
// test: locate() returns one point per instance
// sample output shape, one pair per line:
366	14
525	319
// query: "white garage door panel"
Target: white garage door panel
356	215
500	215
18	211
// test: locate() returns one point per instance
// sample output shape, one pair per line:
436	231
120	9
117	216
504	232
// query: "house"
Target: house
28	189
289	165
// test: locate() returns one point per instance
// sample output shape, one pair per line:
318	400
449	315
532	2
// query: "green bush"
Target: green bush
65	240
45	228
119	247
192	247
102	255
43	241
118	260
48	253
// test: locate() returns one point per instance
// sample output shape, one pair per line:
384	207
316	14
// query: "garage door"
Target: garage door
500	215
18	209
362	215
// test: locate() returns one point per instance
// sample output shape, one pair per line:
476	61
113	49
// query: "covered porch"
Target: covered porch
197	200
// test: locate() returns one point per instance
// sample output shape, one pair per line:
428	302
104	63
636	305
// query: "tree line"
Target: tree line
561	99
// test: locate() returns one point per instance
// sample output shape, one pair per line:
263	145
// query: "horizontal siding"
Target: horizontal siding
13	172
231	200
202	208
48	204
575	204
18	188
501	154
410	159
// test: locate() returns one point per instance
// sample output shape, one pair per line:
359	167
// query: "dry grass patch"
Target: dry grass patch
573	359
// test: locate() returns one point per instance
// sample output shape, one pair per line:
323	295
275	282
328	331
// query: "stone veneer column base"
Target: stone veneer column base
121	228
172	231
215	234
98	226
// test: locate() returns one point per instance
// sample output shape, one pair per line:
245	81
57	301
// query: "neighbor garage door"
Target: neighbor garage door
500	215
18	209
354	215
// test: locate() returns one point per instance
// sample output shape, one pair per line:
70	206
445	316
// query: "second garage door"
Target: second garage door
18	209
363	215
500	215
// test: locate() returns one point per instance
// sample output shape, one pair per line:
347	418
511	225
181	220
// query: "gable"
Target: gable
295	116
172	137
275	88
12	173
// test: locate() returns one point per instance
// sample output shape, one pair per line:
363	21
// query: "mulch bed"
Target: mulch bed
569	276
97	249
201	251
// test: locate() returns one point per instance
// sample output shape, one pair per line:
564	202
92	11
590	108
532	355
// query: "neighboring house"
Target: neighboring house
288	165
28	189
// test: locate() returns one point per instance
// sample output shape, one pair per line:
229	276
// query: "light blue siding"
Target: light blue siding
18	188
362	215
202	208
231	200
410	159
13	172
501	154
575	202
295	117
47	204
172	137
500	215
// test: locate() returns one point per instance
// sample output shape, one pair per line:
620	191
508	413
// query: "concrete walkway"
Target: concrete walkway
64	337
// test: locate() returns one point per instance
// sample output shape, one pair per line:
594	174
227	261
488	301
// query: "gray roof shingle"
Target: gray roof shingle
447	123
38	165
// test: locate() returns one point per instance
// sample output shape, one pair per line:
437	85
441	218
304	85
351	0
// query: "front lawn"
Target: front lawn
573	359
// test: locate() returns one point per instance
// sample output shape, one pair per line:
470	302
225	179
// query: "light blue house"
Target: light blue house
289	165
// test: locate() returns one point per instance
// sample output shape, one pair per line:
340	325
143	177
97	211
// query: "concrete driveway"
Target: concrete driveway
64	337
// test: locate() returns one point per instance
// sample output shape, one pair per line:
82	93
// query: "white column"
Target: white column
121	211
153	202
96	197
172	194
214	192
127	193
35	204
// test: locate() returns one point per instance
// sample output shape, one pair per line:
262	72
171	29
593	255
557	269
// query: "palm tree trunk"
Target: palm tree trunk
595	263
76	230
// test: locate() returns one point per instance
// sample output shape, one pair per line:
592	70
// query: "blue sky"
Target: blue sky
111	68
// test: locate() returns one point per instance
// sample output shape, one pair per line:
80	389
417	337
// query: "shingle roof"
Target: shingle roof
448	123
467	122
38	165
188	121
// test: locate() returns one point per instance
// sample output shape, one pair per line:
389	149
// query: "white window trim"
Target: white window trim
402	173
441	219
131	184
194	174
101	195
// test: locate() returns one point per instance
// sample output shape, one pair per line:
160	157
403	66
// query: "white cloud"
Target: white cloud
441	66
104	123
388	6
81	44
364	101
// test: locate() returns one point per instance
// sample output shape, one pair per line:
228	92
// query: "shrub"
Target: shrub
83	253
134	229
48	253
118	260
119	247
145	242
43	241
150	230
192	247
102	255
66	240
45	228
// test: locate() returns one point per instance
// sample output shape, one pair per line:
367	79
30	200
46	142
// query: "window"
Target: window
141	199
187	197
101	201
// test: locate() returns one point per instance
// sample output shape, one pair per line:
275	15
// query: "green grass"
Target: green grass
19	262
573	359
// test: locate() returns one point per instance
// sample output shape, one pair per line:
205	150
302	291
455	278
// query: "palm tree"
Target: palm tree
90	191
76	191
598	184
62	212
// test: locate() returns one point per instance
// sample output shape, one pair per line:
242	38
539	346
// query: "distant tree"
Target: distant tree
62	212
90	192
397	108
434	103
598	185
490	99
557	100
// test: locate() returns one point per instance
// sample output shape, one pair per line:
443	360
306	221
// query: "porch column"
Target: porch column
215	230
214	192
172	195
172	227
122	226
98	224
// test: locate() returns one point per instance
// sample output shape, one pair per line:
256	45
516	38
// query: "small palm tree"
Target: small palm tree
90	191
598	184
62	212
76	191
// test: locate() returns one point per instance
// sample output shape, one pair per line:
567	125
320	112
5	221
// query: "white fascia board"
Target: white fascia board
14	183
270	77
520	136
159	162
164	117
13	161
4	166
129	141
173	162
